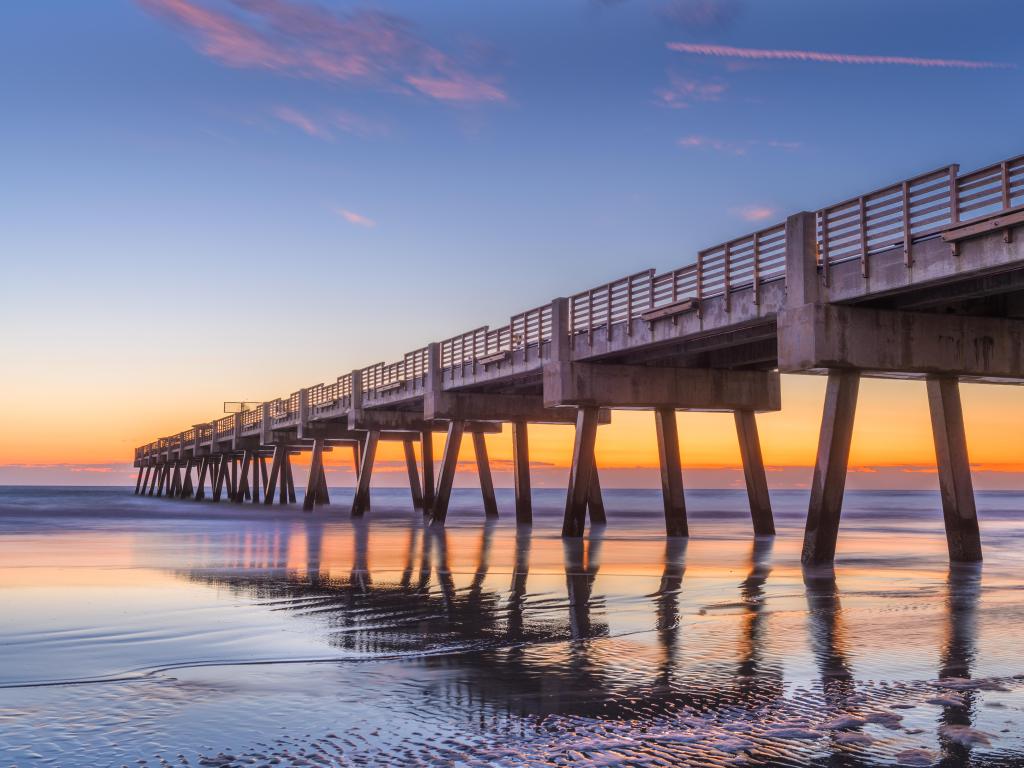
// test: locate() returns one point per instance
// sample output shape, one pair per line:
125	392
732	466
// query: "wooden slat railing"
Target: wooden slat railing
915	209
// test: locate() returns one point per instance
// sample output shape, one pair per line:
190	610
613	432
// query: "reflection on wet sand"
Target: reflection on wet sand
963	588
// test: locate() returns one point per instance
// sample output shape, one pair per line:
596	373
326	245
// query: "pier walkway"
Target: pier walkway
923	278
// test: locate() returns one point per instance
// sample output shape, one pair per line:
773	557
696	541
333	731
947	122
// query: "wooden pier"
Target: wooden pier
921	279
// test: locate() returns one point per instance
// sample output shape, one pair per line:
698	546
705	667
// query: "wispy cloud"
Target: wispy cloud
303	122
357	218
303	40
754	212
734	147
681	92
325	127
727	51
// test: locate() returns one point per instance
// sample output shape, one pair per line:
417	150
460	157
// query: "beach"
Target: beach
155	632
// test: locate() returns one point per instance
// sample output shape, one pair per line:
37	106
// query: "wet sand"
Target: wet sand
153	632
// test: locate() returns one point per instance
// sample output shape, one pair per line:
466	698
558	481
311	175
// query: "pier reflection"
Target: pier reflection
957	658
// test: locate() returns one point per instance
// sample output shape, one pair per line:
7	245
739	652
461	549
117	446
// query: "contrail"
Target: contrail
830	58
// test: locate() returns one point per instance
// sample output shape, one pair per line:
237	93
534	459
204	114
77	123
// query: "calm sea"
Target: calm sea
147	632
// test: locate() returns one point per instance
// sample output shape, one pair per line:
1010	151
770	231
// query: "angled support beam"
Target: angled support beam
256	461
448	465
187	489
595	499
521	473
153	479
580	475
138	480
958	509
315	471
414	474
427	455
323	495
242	482
360	502
754	474
285	470
222	478
829	480
280	452
483	468
671	472
263	472
204	467
357	463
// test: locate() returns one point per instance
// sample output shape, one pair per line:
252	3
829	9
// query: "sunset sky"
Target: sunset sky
210	200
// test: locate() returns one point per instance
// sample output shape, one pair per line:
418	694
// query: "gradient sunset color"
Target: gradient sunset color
212	200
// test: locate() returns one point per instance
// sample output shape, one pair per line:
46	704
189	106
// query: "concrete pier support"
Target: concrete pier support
138	480
414	474
483	468
315	471
242	479
671	472
521	473
256	475
280	451
829	480
361	500
753	473
427	456
595	501
448	466
581	472
186	488
958	509
204	467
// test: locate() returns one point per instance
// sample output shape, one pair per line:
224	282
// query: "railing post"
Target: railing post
908	259
726	276
757	269
700	283
862	211
802	286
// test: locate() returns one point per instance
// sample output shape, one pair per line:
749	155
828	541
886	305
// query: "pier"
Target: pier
922	279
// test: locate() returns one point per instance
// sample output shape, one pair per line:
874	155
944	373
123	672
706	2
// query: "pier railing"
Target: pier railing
895	216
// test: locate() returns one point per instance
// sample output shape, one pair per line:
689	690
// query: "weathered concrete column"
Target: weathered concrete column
315	471
204	467
242	480
414	474
581	472
829	480
291	480
962	535
255	477
361	500
427	456
280	451
138	480
595	500
754	474
671	472
448	465
483	468
521	473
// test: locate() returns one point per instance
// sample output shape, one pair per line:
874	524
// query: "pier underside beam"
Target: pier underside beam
754	474
958	508
671	472
829	481
479	406
897	343
637	386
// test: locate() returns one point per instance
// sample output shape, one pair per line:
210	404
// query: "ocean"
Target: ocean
149	632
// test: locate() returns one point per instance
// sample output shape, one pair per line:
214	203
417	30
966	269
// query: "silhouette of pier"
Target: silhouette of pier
921	279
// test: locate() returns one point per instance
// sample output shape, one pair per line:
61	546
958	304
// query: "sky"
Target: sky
210	200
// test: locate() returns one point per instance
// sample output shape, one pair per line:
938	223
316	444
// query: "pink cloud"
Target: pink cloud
302	122
303	40
357	218
681	92
754	212
829	58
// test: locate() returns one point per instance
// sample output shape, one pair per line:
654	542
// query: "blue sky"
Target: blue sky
229	184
